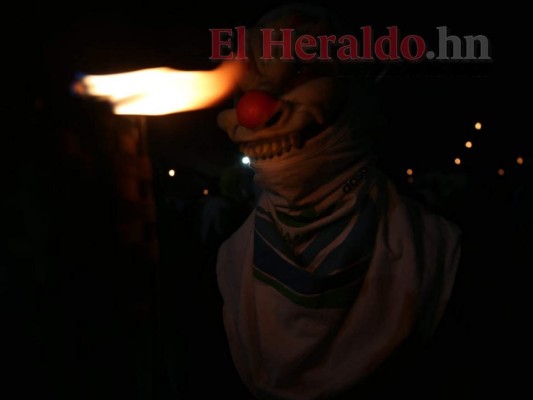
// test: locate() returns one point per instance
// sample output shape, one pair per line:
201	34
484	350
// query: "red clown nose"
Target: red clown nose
255	108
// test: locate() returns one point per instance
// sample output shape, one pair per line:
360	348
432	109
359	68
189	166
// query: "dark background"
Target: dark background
76	329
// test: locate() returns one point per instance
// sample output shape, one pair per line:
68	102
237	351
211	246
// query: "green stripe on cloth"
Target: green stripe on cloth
338	298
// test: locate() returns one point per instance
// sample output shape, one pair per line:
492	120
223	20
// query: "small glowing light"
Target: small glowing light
409	172
468	144
501	172
519	160
410	179
172	172
205	192
457	161
478	126
246	160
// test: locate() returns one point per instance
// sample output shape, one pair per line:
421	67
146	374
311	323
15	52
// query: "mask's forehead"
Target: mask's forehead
297	16
271	73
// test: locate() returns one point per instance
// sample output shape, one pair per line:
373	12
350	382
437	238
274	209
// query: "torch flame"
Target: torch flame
160	91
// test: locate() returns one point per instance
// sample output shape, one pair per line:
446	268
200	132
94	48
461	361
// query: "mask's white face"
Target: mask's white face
301	97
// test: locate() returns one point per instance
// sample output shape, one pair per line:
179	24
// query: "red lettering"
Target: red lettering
367	42
241	43
348	51
217	43
324	46
405	47
303	42
392	41
285	44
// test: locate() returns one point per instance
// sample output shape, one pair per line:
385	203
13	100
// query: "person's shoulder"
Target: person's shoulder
430	222
241	237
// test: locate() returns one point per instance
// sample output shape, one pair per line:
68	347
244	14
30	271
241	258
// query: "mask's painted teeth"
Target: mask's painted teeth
296	140
269	148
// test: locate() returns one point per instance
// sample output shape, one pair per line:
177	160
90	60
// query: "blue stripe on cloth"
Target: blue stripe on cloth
323	238
297	279
358	245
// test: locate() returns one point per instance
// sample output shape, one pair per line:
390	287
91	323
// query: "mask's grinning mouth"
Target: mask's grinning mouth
269	148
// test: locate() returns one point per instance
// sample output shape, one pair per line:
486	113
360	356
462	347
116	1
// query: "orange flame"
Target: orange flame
160	91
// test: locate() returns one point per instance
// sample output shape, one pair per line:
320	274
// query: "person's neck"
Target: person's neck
315	176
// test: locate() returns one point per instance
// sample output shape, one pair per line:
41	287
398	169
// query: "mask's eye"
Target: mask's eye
299	74
305	71
298	69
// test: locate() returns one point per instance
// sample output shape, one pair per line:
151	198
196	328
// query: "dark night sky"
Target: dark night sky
429	108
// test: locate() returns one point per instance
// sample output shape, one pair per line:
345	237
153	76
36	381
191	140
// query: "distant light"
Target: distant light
172	172
468	144
246	160
409	172
501	172
205	192
478	126
519	160
457	161
410	179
